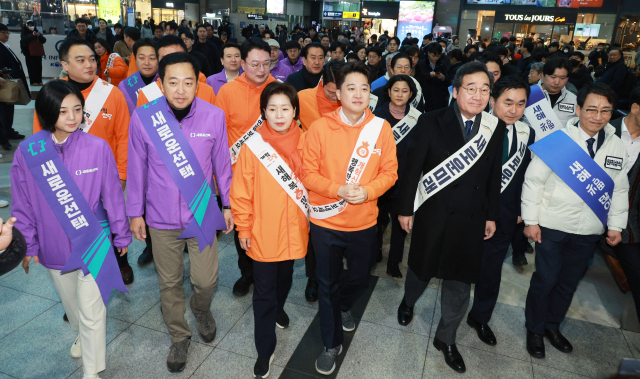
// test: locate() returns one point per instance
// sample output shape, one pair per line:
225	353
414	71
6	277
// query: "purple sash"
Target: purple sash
89	233
133	84
176	153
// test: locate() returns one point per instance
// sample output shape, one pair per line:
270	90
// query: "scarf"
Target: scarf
285	144
395	112
310	80
325	105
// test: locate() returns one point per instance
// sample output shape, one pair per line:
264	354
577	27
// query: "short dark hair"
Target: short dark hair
428	36
402	78
312	45
3	28
100	19
325	36
171	24
117	25
254	44
504	39
375	50
435	48
470	69
142	42
600	89
411	51
528	46
201	26
502	50
358	67
578	54
229	45
158	27
554	44
67	44
292	45
208	25
81	21
509	82
457	54
104	44
512	39
279	88
540	55
330	71
395	39
49	101
634	97
616	49
188	34
554	63
491	57
335	45
169	40
399	56
132	32
175	58
469	47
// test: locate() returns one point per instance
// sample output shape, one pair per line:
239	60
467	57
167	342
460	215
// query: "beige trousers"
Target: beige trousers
167	255
86	312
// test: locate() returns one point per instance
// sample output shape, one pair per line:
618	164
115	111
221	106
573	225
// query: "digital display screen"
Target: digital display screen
535	3
489	2
587	30
415	17
275	6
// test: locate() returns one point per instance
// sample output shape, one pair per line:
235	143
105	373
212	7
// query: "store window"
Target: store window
628	34
592	29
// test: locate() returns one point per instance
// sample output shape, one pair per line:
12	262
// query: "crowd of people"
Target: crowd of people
309	145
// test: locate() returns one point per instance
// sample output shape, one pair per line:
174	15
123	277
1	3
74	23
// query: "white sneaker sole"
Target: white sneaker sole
281	327
347	329
332	368
268	371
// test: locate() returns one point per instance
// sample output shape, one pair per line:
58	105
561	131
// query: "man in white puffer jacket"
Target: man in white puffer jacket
563	226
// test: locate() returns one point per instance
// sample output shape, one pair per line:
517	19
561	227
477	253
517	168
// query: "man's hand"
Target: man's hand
137	227
123	251
357	195
343	191
123	183
614	237
432	74
229	220
245	243
26	260
6	233
489	229
406	223
440	76
533	232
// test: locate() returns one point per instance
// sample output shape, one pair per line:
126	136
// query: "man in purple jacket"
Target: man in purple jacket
293	59
231	63
191	142
279	69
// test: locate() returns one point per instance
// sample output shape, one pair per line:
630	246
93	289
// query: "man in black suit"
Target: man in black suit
509	98
311	72
9	60
208	48
460	150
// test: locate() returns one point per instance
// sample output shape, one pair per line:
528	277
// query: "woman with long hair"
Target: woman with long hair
112	66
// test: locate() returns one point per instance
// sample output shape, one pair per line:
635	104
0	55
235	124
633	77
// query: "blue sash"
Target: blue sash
89	233
540	114
176	153
133	85
578	170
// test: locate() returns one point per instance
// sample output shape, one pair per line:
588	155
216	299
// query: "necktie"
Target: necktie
468	124
505	147
590	143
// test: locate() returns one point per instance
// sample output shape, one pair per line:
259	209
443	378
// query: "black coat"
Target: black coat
631	234
205	68
448	237
434	90
217	41
90	36
303	79
377	71
580	77
12	256
26	37
7	60
614	75
212	54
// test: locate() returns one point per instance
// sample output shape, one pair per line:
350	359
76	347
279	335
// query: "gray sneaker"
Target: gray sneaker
177	358
206	323
348	324
326	362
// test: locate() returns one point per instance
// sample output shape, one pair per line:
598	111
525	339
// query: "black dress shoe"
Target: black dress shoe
65	318
484	331
393	270
6	146
529	248
451	355
379	256
127	274
558	341
146	257
311	292
16	136
405	313
518	259
535	344
241	287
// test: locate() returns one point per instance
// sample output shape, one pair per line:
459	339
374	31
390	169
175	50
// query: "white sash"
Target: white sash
373	101
404	126
357	164
458	163
280	171
152	91
94	102
234	150
416	100
110	61
510	167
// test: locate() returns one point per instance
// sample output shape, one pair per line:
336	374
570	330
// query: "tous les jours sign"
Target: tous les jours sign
529	17
536	18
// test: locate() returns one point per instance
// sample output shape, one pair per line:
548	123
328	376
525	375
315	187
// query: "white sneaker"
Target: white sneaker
3	203
76	351
94	376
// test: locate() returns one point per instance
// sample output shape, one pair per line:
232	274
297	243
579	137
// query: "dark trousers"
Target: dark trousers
310	260
271	285
34	67
123	261
338	289
384	206
454	297
486	291
398	235
245	263
6	122
519	242
561	261
629	256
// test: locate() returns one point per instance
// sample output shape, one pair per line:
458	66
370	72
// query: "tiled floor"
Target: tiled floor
34	340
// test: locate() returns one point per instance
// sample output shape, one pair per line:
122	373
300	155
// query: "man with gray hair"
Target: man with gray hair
458	144
535	74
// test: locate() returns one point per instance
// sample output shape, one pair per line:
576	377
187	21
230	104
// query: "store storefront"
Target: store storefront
381	16
169	10
341	14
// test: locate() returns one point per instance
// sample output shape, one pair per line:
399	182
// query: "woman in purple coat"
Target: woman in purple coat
66	196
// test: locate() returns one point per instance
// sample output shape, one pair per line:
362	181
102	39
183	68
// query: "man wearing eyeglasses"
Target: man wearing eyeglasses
553	83
240	101
459	148
574	190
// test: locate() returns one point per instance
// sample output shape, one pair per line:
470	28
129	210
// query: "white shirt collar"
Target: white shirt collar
55	140
227	76
585	136
346	120
464	119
